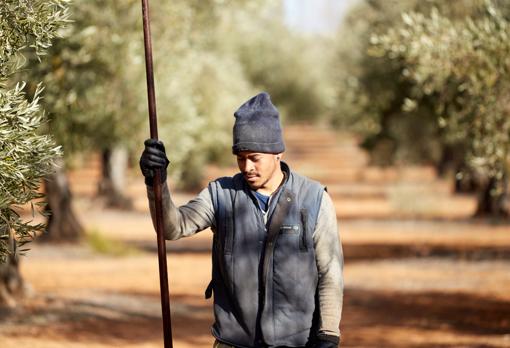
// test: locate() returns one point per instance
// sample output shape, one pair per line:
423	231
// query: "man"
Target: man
277	258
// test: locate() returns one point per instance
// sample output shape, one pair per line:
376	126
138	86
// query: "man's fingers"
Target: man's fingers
151	142
152	163
156	160
155	152
154	144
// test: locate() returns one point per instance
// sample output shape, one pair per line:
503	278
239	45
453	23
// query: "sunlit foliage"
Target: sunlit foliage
426	81
370	90
465	65
25	155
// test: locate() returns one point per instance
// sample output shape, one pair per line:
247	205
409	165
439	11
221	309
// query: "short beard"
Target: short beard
267	180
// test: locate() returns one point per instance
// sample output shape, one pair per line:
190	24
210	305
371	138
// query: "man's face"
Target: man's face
258	168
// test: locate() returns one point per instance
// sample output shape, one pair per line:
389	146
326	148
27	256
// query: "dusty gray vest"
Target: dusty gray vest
265	275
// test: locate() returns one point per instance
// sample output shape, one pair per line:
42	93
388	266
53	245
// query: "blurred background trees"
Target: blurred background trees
463	65
427	83
293	68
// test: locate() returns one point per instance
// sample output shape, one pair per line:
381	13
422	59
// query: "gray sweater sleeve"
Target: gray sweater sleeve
329	257
186	220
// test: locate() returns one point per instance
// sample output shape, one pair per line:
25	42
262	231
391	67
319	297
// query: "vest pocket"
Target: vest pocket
289	229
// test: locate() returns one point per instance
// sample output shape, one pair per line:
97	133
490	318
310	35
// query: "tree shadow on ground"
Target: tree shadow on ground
454	313
366	251
135	318
383	251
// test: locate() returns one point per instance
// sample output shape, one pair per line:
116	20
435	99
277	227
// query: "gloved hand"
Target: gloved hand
326	341
153	158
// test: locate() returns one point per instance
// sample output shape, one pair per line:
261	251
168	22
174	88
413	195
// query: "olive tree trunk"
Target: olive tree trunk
63	224
113	182
494	199
11	282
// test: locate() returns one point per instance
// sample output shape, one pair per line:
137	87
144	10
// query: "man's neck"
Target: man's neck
273	184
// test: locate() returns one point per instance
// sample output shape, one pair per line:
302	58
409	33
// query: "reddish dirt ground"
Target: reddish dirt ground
419	272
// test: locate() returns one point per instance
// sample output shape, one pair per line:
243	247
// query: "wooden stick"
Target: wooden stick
163	276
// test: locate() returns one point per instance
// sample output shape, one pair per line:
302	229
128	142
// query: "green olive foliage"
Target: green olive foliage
426	81
25	155
465	65
371	91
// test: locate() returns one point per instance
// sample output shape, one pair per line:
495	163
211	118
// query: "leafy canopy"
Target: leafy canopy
25	155
465	65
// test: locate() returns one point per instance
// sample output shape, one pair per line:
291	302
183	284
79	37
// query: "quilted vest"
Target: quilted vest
264	275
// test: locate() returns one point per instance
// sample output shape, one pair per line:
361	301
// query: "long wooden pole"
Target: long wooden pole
163	275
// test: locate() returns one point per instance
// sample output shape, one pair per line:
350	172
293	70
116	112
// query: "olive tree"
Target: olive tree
371	91
465	65
26	156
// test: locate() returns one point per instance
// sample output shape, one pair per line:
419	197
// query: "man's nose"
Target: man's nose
248	166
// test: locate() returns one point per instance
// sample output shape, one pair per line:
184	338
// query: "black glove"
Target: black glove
326	341
153	158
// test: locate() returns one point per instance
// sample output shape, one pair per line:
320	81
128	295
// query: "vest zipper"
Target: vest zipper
303	245
273	231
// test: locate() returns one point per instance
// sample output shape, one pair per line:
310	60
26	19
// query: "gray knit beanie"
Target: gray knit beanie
257	126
